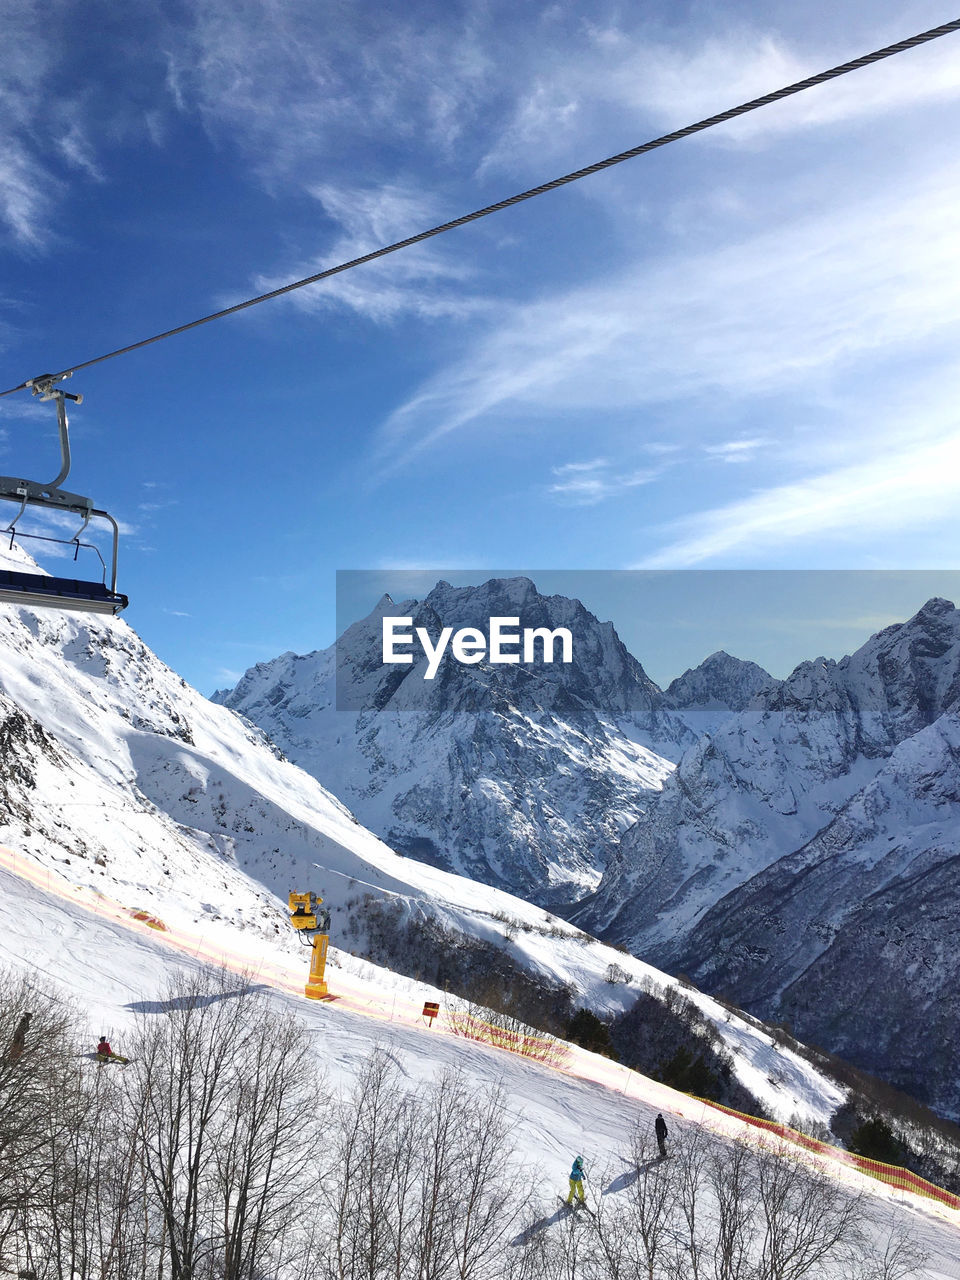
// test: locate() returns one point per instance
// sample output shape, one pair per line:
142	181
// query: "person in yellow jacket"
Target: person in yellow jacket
576	1181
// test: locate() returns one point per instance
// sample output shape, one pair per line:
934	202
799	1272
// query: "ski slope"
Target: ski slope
115	966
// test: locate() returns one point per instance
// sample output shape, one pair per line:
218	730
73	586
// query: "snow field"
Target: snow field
114	965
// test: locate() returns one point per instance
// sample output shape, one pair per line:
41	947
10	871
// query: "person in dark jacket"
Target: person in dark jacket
660	1127
19	1038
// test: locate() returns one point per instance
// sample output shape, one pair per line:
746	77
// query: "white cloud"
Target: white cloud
25	195
424	280
906	489
78	151
296	84
735	450
28	186
589	483
781	311
725	72
615	75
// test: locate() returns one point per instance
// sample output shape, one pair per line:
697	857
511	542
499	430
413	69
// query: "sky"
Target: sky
739	352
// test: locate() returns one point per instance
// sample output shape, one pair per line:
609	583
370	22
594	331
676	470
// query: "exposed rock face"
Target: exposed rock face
519	776
805	858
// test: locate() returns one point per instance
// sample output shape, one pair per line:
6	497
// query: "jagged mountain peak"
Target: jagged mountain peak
900	680
936	607
719	681
603	677
519	775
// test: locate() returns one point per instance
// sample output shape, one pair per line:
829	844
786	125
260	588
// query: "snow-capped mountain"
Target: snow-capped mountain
803	857
518	776
720	681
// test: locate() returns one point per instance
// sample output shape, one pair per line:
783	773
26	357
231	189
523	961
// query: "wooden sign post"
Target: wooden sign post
430	1011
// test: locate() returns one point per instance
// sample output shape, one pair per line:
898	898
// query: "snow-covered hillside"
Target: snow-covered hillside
123	788
116	975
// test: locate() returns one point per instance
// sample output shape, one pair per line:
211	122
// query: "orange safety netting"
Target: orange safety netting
521	1040
889	1173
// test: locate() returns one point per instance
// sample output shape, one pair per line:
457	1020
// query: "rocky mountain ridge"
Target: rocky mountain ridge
803	858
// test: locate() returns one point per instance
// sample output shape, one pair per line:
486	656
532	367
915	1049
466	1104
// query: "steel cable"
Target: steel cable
753	105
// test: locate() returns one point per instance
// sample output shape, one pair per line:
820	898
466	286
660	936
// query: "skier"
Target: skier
576	1181
105	1054
660	1126
19	1038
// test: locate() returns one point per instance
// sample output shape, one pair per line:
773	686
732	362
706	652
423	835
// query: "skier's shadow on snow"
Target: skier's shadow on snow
189	1002
535	1228
629	1177
626	1179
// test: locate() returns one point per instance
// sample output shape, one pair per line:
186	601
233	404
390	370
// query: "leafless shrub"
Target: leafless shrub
717	1210
733	1182
426	1183
807	1218
616	974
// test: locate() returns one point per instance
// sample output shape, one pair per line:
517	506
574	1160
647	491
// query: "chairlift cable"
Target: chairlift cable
754	104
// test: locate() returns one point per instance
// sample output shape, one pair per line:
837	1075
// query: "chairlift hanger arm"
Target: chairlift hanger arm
41	589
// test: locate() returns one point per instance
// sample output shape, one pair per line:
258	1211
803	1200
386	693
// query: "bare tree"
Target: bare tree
692	1152
634	1231
222	1103
807	1217
43	1104
368	1176
733	1183
264	1151
470	1193
903	1256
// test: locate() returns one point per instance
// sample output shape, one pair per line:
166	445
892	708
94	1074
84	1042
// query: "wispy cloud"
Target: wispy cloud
589	483
296	87
903	489
614	72
735	450
29	186
777	312
424	280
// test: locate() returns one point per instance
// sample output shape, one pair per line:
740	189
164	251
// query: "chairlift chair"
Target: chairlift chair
40	589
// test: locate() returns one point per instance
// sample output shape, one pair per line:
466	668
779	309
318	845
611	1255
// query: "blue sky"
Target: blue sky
738	352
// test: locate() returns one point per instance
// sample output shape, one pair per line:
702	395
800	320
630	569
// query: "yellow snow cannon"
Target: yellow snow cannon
312	923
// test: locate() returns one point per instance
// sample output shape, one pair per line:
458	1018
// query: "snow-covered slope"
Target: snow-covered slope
520	776
855	938
115	975
120	779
